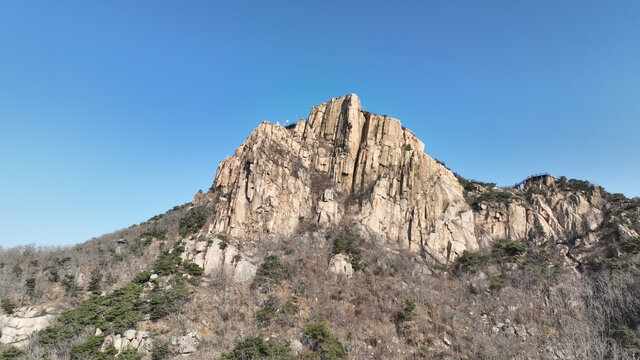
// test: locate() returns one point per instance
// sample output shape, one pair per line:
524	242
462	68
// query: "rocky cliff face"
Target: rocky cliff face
17	327
573	216
343	163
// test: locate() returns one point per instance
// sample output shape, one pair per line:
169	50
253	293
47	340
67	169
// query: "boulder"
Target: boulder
130	334
296	347
244	271
339	264
186	344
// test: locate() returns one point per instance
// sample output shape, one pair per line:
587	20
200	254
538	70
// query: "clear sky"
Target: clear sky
114	111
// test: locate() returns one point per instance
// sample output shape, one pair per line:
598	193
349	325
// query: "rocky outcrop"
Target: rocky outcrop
17	328
218	255
339	264
543	212
134	339
342	163
185	344
346	164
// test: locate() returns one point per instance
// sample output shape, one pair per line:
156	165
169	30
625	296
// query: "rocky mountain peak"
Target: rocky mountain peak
342	164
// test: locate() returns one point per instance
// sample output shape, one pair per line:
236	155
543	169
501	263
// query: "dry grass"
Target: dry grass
458	316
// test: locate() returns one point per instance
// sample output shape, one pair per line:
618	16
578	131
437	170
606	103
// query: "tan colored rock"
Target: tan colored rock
296	347
553	214
212	259
244	271
130	334
117	342
339	264
186	344
18	327
136	339
343	163
346	164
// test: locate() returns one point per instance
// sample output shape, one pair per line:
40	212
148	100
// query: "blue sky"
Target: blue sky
112	112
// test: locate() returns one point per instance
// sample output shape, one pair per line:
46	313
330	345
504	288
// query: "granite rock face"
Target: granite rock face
339	264
133	339
346	164
216	255
342	163
17	327
543	211
185	344
549	214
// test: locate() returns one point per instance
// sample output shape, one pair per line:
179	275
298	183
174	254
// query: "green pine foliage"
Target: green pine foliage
499	281
165	301
119	310
470	262
88	349
508	251
169	262
268	311
17	270
115	312
631	245
155	232
573	184
349	244
255	348
8	306
54	275
11	353
193	221
94	282
193	269
70	287
142	277
322	342
407	312
129	354
30	284
625	337
271	270
160	352
612	264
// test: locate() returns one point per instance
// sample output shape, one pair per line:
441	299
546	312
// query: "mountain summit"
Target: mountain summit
342	163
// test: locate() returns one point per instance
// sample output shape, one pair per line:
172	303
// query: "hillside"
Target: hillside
338	237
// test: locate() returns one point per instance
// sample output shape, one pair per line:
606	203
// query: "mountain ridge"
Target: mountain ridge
342	153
